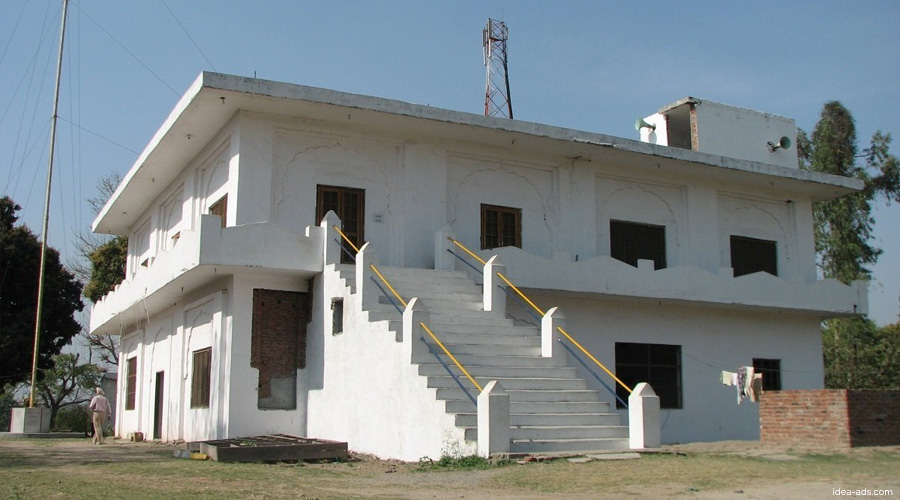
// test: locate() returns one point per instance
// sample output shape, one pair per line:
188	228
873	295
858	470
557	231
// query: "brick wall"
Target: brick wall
278	338
830	418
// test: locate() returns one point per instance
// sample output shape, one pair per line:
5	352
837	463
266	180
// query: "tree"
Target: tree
20	254
107	268
67	383
853	348
101	265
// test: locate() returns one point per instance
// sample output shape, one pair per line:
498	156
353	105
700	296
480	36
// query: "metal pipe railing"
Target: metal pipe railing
542	313
422	324
449	371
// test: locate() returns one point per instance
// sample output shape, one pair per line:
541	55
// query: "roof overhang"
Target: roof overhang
214	98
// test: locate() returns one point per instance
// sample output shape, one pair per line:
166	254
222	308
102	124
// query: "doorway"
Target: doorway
350	205
158	406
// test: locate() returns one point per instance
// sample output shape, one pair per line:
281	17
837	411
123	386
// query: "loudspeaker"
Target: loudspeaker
783	143
640	123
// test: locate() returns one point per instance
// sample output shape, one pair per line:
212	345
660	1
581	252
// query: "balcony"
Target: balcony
199	257
686	284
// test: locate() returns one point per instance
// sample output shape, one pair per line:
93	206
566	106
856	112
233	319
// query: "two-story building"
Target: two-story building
669	259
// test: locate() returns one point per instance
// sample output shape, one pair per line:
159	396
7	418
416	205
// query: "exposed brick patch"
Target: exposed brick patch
278	337
830	418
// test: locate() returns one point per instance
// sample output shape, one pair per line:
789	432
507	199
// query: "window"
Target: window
500	227
337	316
656	364
220	208
750	255
130	382
771	372
631	241
350	205
200	378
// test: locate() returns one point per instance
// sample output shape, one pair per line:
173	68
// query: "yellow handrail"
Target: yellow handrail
344	236
385	281
538	309
424	326
611	374
504	278
372	267
458	364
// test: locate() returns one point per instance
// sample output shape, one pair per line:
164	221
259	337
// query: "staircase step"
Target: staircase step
568	445
535	407
537	384
559	433
527	396
469	317
486	330
496	372
422	272
449	337
468	360
546	419
486	349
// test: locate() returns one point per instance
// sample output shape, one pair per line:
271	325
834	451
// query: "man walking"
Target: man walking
101	411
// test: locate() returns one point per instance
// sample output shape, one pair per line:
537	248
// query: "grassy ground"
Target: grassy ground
76	469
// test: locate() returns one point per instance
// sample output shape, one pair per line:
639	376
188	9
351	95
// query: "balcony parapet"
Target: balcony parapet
201	255
686	283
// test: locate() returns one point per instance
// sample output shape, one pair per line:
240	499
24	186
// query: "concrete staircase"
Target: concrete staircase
551	407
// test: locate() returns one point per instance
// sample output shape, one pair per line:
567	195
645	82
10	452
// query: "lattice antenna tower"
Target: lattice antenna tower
497	101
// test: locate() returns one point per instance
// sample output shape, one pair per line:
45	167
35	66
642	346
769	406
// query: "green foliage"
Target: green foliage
7	402
75	418
20	254
107	268
859	355
67	383
450	462
844	225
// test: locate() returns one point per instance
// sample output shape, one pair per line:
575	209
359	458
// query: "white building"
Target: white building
670	264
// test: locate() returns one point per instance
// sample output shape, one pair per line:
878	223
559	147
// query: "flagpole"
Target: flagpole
46	223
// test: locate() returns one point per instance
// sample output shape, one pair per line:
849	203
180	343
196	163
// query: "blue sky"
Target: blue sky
589	65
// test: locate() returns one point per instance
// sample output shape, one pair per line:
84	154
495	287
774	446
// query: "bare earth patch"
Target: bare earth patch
725	470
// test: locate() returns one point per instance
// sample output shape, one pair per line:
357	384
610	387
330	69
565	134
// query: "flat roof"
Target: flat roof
214	99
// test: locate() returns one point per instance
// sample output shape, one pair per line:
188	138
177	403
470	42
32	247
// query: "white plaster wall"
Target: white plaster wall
166	343
644	202
711	340
476	180
364	390
244	417
743	133
743	215
306	159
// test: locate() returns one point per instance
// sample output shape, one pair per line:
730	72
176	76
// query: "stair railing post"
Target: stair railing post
443	259
551	321
365	286
332	248
494	287
493	420
643	418
413	316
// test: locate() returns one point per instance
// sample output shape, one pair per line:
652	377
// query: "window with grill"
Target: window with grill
751	255
350	205
771	372
130	383
656	364
200	378
500	227
632	241
220	208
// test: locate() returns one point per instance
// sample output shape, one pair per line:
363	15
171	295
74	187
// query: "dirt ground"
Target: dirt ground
398	480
